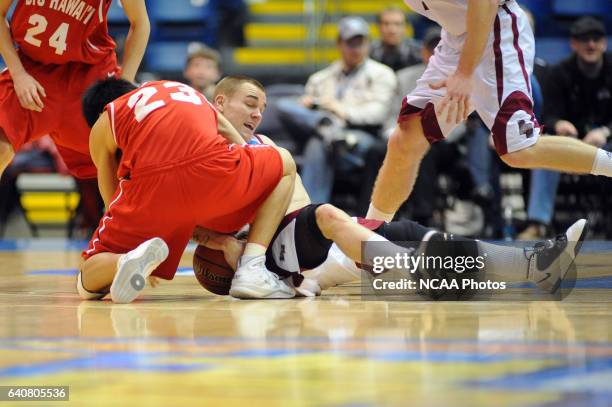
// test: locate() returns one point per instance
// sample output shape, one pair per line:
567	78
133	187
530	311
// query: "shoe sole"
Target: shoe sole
254	292
126	287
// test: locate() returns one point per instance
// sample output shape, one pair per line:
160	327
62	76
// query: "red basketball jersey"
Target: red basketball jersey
165	122
61	31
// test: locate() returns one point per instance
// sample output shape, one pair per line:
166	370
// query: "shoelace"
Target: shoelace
541	248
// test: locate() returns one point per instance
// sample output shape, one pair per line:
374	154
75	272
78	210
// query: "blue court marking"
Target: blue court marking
50	244
216	340
181	271
589	282
139	361
555	377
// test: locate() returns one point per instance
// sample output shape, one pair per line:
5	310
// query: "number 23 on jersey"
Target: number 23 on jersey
139	101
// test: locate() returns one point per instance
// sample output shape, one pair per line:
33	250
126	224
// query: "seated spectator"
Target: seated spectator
344	105
581	88
202	70
393	49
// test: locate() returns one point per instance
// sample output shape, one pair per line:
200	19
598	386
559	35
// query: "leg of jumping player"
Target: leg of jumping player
406	148
562	154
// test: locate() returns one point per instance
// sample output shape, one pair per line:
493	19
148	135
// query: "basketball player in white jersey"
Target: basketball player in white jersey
483	63
318	245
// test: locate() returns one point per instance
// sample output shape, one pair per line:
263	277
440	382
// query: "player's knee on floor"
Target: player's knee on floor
84	293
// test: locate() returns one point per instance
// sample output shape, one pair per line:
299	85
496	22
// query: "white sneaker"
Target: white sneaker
550	260
254	280
134	267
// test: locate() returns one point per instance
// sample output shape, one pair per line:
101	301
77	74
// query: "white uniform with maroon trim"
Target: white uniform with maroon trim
502	90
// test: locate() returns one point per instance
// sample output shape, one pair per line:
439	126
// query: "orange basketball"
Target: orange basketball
212	271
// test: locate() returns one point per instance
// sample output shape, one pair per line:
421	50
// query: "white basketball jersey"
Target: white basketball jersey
450	14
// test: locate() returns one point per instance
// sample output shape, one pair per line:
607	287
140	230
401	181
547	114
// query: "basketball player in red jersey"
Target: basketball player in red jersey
176	172
62	48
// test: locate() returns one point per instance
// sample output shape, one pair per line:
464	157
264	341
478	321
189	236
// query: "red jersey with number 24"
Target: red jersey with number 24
61	31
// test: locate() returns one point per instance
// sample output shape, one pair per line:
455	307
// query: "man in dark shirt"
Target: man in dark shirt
580	87
393	49
578	95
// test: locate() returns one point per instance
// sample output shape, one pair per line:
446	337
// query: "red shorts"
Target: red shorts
171	200
61	117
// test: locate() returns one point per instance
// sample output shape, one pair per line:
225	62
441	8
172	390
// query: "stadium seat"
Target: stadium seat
166	56
552	50
177	11
116	15
571	8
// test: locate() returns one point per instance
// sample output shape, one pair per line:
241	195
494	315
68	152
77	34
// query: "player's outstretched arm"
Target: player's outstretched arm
103	149
480	17
28	90
137	38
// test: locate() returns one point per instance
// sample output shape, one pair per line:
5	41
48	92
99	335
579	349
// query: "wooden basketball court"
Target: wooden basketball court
177	345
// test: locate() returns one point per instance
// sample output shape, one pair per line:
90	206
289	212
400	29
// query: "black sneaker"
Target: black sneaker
550	260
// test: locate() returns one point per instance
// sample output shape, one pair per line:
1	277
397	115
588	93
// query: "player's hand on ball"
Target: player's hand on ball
456	103
29	92
232	250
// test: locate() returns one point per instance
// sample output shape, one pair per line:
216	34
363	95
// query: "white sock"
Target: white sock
374	213
602	165
251	251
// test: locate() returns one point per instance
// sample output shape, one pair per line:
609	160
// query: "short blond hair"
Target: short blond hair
228	85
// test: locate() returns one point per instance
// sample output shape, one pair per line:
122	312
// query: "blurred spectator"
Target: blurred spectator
581	88
393	49
37	156
202	69
342	111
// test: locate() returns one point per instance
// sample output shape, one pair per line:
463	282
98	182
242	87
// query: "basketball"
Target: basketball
212	271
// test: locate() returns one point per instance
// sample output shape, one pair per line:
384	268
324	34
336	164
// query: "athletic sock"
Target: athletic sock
251	251
503	260
602	165
374	213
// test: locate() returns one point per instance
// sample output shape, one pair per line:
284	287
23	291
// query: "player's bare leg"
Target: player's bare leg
405	150
6	152
124	273
272	211
337	226
98	271
562	154
252	279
